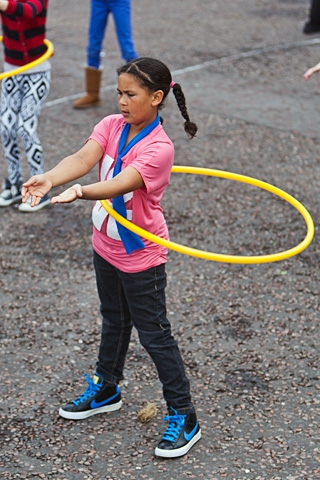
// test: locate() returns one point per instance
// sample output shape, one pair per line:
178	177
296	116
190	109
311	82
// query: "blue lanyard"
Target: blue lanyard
131	240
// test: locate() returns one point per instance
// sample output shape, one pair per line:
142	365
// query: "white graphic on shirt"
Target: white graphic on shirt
99	214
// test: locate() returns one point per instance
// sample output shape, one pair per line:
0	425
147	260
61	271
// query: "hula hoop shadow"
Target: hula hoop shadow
47	54
216	257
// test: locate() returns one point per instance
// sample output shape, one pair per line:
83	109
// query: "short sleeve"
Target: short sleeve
154	165
107	130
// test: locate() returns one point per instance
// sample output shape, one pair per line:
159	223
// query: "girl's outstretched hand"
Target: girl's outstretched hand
312	70
36	188
69	195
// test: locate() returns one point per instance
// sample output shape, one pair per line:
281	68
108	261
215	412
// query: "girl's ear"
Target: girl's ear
157	98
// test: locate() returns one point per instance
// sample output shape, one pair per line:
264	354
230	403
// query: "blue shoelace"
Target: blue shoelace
176	423
91	390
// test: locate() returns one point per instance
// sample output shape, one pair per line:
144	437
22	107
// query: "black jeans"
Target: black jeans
138	299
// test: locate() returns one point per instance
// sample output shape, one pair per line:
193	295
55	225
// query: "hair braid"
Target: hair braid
190	127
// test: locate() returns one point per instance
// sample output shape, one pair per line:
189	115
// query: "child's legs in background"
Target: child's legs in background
314	14
98	21
116	323
121	11
36	87
11	99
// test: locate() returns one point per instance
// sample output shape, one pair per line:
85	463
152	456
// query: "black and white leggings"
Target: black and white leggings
22	97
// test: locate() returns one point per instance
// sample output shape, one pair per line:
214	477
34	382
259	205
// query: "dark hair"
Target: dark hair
155	75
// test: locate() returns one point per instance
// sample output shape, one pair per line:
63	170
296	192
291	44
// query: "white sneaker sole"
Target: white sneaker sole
26	207
6	203
178	452
89	413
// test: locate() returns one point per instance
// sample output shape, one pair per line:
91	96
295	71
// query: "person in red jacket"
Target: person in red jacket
22	95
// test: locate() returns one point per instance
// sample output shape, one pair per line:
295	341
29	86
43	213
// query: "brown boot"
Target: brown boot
93	79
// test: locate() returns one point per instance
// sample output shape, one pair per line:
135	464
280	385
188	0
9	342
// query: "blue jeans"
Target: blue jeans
121	12
138	299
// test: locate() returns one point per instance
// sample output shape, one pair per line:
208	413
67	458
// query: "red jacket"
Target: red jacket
24	30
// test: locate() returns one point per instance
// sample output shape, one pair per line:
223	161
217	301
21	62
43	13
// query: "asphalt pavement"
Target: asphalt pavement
248	333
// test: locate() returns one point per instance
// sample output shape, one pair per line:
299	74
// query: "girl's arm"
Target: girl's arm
28	10
69	169
126	181
312	70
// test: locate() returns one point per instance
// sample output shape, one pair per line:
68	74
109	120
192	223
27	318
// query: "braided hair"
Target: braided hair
155	75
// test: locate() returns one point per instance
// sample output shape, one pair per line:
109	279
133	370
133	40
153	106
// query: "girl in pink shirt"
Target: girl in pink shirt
135	158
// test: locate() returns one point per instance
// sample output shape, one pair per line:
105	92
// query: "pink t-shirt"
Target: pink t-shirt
153	158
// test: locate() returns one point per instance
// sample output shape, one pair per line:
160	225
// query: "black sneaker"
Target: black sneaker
10	193
310	28
98	398
182	433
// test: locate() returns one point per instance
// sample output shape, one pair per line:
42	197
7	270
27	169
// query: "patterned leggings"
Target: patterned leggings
22	98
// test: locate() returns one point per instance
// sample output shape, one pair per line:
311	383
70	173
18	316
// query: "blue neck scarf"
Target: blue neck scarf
131	240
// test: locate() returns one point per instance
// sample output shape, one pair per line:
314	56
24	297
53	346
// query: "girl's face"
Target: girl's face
136	104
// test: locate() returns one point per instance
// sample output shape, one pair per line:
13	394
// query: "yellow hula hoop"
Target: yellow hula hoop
47	54
216	257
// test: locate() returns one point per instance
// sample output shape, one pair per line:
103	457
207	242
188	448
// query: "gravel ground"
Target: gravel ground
248	333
